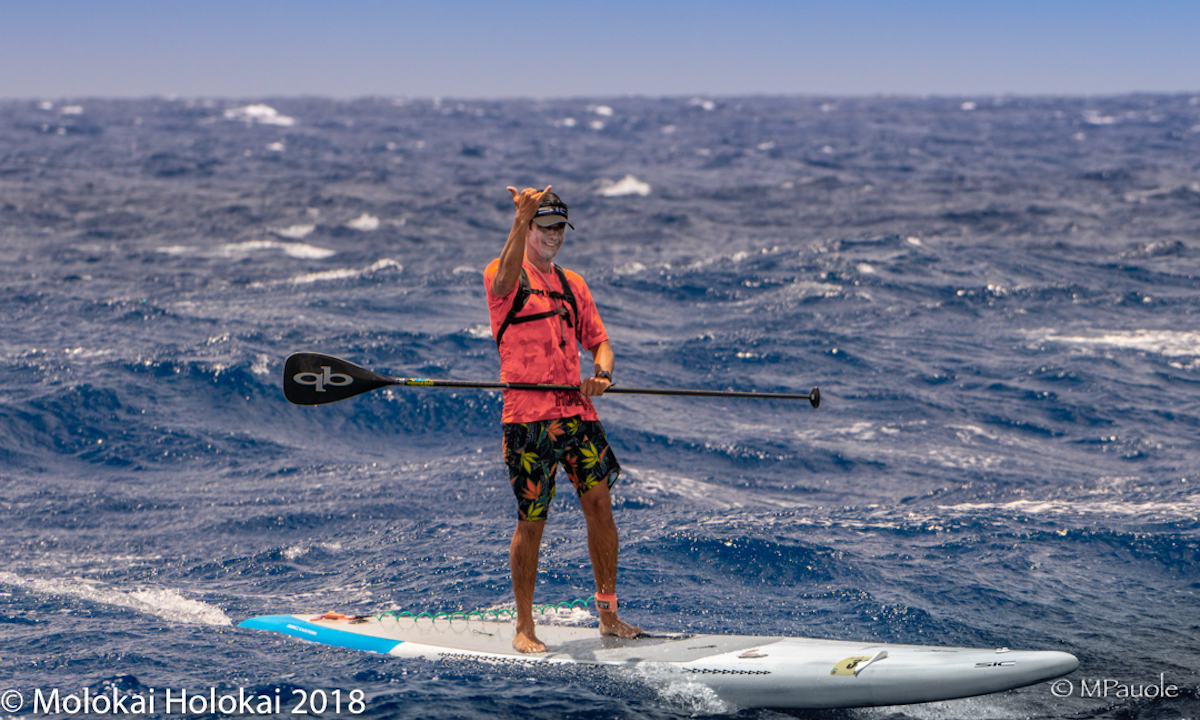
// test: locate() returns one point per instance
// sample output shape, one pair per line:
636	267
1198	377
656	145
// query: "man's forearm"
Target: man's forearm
509	272
602	357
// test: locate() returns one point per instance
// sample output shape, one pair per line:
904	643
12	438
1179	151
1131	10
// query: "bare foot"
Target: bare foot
527	642
610	624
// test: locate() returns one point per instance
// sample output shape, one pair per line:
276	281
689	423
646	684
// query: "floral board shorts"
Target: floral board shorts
533	450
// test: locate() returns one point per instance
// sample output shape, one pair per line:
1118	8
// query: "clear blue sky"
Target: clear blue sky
477	49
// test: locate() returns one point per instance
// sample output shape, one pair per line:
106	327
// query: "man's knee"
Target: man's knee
597	498
530	529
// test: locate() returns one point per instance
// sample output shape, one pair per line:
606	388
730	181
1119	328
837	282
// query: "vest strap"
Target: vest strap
524	290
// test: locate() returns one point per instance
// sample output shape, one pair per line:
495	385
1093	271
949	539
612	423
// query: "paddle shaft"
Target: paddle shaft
487	385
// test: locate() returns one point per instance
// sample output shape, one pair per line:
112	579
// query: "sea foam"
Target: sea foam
1169	343
164	603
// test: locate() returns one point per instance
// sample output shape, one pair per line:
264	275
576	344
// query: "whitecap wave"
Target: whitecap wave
479	331
296	250
1187	508
1169	343
295	232
628	185
365	222
260	114
385	264
1093	117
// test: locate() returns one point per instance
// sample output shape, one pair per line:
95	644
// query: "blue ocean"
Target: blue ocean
997	296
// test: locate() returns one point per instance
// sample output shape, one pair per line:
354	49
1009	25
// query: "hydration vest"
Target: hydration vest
524	290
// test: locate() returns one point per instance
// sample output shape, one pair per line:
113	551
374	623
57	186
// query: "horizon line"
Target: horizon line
392	97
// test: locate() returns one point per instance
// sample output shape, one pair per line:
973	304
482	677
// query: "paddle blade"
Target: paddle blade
316	379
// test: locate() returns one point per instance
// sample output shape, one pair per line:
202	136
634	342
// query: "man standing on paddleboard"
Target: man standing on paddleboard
540	315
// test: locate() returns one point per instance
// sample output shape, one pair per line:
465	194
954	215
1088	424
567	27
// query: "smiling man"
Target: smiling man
540	315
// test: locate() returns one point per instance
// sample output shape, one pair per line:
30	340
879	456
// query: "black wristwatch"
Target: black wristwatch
604	374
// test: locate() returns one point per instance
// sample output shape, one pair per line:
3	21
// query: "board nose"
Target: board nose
1047	664
1061	662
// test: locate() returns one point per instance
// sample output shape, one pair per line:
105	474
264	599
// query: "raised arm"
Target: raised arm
509	272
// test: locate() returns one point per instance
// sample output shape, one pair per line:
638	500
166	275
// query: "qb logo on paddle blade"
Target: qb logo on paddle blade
326	377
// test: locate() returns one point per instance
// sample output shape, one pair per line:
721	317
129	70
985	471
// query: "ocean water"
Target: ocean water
996	296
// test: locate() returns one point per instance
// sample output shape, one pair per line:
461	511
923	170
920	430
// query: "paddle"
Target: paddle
315	379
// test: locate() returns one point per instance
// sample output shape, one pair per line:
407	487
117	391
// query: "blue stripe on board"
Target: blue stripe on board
290	625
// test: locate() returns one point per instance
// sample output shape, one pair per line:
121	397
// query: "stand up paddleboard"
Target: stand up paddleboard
744	670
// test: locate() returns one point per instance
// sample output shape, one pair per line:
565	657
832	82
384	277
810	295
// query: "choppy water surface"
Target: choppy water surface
997	297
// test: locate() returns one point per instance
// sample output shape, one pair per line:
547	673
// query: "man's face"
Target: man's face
544	242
